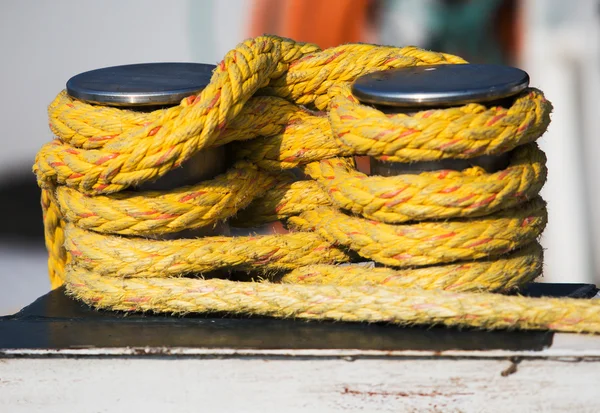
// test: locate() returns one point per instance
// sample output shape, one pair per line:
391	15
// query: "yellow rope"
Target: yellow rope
429	243
431	195
157	213
500	274
443	241
462	132
123	257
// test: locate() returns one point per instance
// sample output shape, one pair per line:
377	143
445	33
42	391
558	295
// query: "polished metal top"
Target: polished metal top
439	85
146	84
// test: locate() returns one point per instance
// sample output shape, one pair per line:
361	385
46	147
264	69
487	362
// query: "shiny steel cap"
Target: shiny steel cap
439	85
146	84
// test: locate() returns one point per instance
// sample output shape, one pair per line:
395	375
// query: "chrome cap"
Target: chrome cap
146	84
439	85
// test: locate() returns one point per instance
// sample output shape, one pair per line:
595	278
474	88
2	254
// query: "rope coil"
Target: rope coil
446	239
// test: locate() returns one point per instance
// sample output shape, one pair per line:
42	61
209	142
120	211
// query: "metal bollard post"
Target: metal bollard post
408	90
151	86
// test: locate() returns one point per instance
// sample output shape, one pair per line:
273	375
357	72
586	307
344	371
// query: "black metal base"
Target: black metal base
55	321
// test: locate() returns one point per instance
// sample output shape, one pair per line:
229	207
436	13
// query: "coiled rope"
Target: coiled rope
448	241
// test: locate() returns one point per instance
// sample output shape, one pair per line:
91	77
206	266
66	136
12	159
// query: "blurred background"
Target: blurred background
45	42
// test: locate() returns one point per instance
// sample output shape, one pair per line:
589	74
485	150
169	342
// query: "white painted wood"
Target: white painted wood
576	353
563	377
294	384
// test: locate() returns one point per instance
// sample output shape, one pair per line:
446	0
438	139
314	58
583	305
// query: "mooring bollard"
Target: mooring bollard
151	86
411	89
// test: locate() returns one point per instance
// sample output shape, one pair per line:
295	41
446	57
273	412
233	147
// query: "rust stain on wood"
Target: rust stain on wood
398	394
